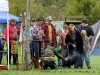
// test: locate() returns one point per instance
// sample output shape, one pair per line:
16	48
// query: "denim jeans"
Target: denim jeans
86	56
59	60
50	64
35	47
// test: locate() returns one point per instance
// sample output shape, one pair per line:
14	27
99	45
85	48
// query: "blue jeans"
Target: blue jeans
50	64
59	60
35	47
86	56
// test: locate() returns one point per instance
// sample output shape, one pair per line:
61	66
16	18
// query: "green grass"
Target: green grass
95	63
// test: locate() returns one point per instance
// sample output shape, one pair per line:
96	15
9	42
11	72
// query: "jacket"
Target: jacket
86	44
11	33
46	32
62	41
49	53
79	42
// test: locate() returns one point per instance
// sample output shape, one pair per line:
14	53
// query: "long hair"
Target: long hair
70	33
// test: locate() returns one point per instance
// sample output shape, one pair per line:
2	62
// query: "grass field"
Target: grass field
95	70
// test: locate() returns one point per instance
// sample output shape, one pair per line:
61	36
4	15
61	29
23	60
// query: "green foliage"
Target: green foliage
58	9
89	8
17	7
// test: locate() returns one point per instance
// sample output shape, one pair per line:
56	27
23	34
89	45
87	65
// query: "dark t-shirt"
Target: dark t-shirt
89	31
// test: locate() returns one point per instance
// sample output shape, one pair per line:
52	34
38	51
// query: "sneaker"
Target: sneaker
89	67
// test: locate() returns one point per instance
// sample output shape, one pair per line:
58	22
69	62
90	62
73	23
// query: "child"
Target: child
58	48
86	47
1	49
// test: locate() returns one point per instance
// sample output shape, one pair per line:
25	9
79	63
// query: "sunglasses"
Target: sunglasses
33	21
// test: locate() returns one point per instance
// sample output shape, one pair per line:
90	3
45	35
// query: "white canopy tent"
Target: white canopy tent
4	7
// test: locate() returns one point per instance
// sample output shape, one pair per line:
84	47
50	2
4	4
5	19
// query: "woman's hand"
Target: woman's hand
74	45
65	59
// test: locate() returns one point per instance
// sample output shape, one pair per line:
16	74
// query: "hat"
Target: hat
49	18
12	20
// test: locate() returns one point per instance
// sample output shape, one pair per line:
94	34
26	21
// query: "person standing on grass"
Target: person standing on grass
12	36
90	35
31	48
86	46
49	31
58	48
64	50
1	48
37	34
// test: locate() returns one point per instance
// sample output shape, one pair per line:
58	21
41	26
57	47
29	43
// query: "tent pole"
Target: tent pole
8	40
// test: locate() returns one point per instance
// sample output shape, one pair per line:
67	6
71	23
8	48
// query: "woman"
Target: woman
75	46
12	37
64	50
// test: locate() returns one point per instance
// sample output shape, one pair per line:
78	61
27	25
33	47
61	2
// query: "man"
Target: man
12	37
31	53
37	39
80	28
48	53
90	34
49	31
88	29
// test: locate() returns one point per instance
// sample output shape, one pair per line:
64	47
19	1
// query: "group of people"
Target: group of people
71	45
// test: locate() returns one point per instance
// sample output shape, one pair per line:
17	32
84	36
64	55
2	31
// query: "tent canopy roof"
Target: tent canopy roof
3	17
4	6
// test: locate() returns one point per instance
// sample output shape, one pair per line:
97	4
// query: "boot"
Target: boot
36	64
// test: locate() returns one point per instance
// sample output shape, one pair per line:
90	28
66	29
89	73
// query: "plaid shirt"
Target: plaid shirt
36	32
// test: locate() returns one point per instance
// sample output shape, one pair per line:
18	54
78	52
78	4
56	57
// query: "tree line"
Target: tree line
58	9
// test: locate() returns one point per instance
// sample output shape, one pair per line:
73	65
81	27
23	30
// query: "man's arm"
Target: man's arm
91	33
58	55
90	37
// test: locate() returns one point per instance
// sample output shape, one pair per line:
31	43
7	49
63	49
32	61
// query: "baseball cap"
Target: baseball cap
49	18
12	20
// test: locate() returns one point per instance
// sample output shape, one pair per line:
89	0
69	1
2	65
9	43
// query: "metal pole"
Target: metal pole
8	41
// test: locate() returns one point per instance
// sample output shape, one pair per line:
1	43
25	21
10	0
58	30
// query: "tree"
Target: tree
58	9
88	8
17	6
27	36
